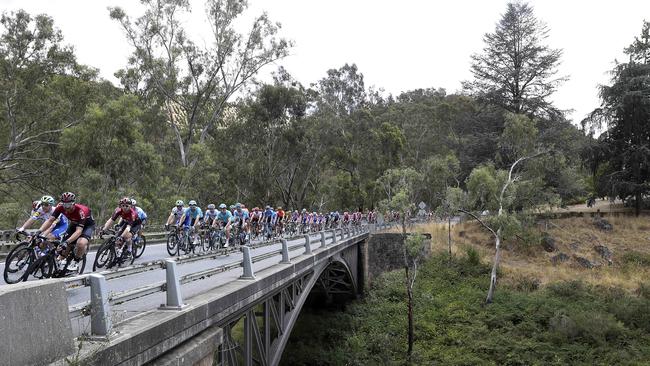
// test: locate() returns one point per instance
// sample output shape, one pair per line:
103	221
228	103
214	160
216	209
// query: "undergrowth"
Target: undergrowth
562	323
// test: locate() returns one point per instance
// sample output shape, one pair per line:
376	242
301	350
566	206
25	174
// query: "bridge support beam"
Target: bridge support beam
173	288
247	264
323	243
100	309
307	244
285	252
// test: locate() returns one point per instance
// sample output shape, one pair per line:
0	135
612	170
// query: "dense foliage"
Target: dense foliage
566	323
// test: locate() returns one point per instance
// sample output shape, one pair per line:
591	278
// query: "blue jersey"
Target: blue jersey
141	214
224	216
192	215
240	215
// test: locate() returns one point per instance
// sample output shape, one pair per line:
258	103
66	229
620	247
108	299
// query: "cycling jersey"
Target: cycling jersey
141	214
211	214
224	216
177	214
77	215
280	214
255	216
192	216
129	217
268	215
41	215
240	215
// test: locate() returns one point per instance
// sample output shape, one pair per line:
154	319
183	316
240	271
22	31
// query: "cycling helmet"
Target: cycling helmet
222	206
125	201
268	207
304	210
180	203
237	205
192	203
211	206
35	204
256	208
279	208
68	197
48	200
133	201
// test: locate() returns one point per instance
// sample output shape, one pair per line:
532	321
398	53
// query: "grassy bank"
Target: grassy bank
561	323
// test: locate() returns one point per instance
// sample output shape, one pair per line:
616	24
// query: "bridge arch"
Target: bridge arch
268	325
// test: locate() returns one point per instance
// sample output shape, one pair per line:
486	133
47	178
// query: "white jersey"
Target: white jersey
40	215
177	214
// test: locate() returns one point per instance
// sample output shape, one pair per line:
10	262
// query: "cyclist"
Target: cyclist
210	215
224	218
141	214
129	225
241	217
192	218
81	226
175	215
256	218
280	213
41	211
268	218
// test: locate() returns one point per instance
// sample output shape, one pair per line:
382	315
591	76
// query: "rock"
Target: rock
548	243
604	252
583	262
602	224
560	258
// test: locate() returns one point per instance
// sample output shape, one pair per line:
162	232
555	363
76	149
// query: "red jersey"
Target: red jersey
79	215
129	216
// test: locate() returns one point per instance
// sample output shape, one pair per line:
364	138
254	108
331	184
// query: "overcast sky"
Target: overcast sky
397	45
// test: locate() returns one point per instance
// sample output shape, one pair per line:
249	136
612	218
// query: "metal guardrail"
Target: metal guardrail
100	302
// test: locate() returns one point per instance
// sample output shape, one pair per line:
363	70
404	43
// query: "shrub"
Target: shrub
473	257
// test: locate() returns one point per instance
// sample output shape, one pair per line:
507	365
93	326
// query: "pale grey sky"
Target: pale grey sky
397	45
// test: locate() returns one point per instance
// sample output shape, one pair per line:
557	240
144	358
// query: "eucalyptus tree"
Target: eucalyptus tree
44	91
192	80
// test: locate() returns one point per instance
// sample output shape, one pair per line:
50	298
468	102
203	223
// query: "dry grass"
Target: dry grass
523	264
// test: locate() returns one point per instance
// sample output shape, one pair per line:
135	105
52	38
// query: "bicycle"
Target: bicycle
187	245
139	244
20	257
112	252
44	264
174	238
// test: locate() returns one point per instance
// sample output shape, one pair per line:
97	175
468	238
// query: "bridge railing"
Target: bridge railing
98	308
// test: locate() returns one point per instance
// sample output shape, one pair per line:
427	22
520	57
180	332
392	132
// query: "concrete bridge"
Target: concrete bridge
242	315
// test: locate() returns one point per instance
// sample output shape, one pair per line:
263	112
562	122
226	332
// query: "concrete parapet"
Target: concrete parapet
36	329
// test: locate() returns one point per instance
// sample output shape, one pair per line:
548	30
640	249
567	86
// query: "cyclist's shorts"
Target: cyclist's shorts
189	222
60	229
87	231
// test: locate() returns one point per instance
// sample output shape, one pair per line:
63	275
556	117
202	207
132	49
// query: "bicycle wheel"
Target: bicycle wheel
105	255
138	248
22	244
172	244
17	263
201	245
39	268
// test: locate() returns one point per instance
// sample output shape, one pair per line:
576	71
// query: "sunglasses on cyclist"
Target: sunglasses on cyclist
125	206
68	204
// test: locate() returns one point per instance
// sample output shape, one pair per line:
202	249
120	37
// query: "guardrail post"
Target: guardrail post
323	243
100	310
173	287
342	234
307	244
333	236
248	264
285	252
